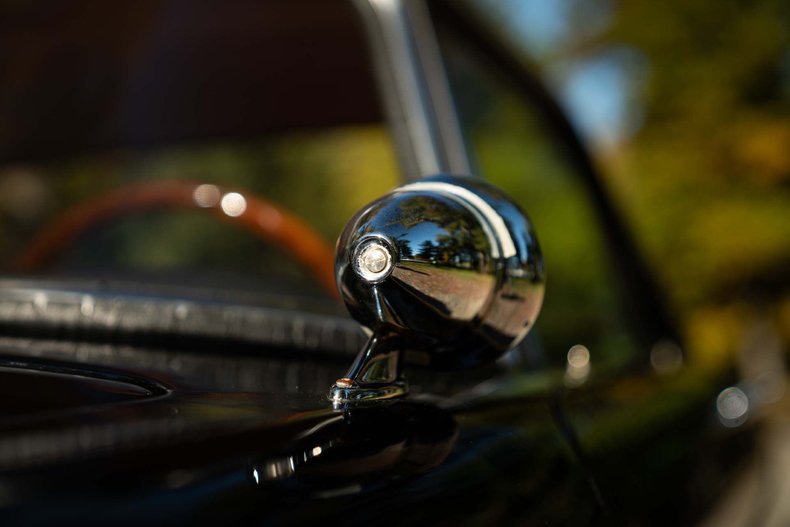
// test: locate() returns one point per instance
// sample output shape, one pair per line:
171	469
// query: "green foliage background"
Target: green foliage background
705	179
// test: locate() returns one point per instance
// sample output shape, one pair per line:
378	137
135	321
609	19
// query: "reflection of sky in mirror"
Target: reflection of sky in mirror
598	90
421	232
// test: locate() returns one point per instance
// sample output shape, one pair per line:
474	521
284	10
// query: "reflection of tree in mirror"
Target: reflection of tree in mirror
421	208
404	248
427	250
463	243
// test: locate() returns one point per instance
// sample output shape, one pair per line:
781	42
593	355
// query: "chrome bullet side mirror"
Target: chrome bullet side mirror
447	267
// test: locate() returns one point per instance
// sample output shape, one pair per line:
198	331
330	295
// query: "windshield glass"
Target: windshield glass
104	104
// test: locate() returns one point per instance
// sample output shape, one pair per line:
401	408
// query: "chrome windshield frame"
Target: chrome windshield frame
414	87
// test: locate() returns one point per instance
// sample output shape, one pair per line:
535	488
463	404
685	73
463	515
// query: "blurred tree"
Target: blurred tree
707	177
701	165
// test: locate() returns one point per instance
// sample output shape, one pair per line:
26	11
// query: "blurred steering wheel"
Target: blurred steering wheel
264	219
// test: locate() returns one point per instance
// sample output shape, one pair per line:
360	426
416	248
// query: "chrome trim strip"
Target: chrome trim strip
414	86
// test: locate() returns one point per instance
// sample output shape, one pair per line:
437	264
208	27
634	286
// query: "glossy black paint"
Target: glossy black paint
480	448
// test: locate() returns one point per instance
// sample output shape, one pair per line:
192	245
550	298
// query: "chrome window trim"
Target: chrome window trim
414	86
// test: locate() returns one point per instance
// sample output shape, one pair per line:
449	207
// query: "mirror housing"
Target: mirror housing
448	267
